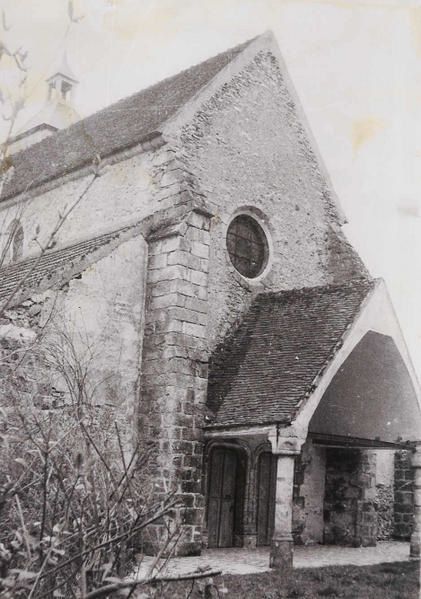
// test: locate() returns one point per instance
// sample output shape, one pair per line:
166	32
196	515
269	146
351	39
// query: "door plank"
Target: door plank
266	498
221	497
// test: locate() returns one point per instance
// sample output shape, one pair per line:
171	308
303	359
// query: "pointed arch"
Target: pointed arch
371	396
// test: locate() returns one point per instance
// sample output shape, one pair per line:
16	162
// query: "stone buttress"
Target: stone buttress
173	379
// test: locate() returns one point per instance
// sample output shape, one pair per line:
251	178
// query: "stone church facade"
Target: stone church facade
197	242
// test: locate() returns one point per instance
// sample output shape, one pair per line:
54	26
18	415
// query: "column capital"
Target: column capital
288	446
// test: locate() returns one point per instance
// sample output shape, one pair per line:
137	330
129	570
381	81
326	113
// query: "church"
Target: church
191	233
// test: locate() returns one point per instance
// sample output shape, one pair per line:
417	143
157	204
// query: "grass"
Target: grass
397	580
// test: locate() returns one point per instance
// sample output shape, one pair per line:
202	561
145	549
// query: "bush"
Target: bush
73	500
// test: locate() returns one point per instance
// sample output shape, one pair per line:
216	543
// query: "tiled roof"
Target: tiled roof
53	267
262	372
115	128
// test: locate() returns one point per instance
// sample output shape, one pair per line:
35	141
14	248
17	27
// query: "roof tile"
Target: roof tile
51	268
261	373
114	128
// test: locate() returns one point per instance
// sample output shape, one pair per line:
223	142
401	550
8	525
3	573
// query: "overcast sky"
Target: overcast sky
356	65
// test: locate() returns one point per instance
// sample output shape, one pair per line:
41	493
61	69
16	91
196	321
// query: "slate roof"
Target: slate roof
261	373
119	126
53	267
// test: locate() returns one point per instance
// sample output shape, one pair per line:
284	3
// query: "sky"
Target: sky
356	65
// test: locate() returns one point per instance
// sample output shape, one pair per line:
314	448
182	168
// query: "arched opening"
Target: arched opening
371	397
370	405
225	497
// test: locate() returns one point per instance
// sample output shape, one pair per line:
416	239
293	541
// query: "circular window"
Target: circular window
247	246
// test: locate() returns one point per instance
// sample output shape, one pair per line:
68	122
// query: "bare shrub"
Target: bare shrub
72	499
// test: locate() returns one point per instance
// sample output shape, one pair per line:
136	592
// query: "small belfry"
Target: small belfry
57	113
61	85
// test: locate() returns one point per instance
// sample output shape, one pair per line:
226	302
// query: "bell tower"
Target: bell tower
57	113
61	85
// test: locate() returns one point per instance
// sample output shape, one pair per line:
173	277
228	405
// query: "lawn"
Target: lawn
398	580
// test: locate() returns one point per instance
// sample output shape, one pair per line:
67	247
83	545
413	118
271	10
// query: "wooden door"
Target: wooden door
266	490
221	497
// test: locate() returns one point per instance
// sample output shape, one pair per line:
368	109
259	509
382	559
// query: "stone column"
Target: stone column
282	546
281	550
416	534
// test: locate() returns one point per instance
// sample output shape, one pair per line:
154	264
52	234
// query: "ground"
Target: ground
236	560
398	580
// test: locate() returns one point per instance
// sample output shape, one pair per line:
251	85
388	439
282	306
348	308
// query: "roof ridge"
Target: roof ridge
127	122
169	78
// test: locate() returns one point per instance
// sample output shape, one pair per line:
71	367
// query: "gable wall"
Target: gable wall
246	148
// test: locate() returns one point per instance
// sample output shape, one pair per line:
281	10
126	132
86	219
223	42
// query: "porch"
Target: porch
311	388
235	560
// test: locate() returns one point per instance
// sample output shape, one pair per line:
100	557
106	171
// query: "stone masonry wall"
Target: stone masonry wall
309	491
246	149
174	371
403	496
385	494
122	194
350	515
385	512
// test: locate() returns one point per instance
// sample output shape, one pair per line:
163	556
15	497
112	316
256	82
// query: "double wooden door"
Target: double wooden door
223	475
226	488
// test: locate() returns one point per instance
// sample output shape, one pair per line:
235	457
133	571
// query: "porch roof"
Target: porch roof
264	371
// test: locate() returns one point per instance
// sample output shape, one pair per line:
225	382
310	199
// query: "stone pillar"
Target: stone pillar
281	550
366	525
416	534
403	491
282	546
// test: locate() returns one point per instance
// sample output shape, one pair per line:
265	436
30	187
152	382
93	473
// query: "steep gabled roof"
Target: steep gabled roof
119	126
262	373
53	268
